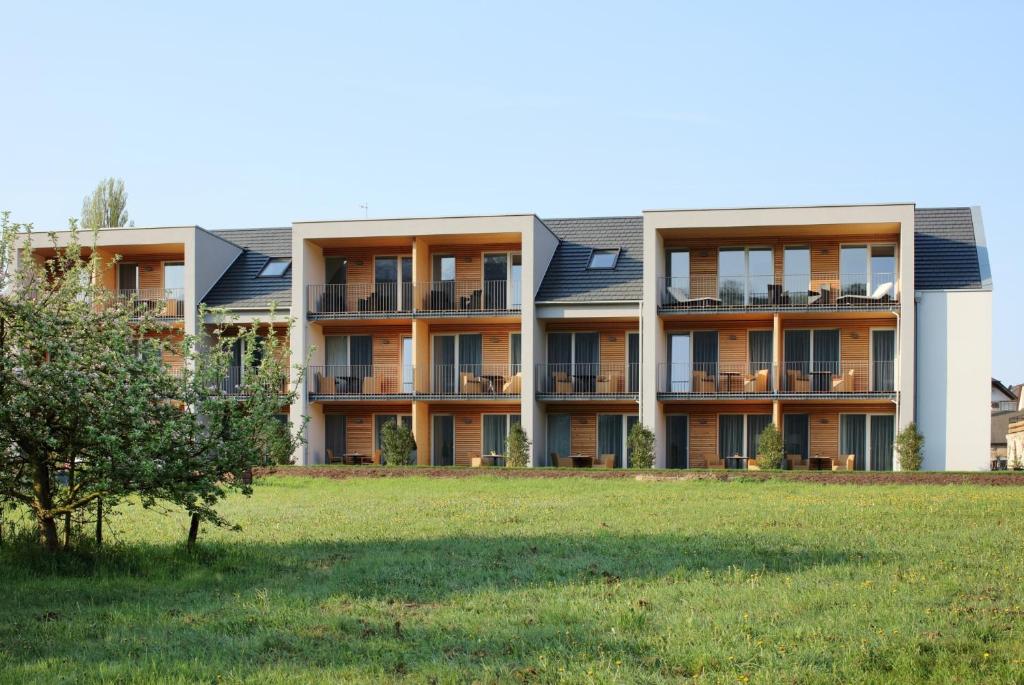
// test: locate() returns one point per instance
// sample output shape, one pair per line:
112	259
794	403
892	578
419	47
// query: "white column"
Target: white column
652	341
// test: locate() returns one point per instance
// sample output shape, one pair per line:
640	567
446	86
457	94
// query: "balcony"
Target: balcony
478	381
588	381
234	382
848	380
165	304
829	292
403	300
360	382
360	300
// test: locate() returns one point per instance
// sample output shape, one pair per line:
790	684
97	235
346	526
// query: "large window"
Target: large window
883	360
335	436
495	432
559	442
730	435
811	359
869	438
127	277
868	270
744	275
174	278
677	277
796	269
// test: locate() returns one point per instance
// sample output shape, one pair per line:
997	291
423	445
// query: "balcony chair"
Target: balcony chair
562	383
844	382
471	302
795	461
756	382
371	386
844	463
470	383
881	294
822	296
605	461
702	382
797	381
512	385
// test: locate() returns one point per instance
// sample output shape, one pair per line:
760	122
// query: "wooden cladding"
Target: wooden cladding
468	259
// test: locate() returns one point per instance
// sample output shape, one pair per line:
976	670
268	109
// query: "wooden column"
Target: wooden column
777	414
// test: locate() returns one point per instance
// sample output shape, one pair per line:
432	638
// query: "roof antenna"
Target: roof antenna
366	209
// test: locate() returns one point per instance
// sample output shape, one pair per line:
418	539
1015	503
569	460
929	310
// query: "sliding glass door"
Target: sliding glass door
443	377
869	438
756	423
677	441
853	430
730	435
883	432
744	275
335	436
883	360
495	280
824	359
796	435
610	437
559	443
679	362
760	355
443	444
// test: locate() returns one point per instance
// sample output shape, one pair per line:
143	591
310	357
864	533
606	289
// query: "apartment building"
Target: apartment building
839	324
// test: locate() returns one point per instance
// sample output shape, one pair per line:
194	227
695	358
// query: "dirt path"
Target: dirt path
831	477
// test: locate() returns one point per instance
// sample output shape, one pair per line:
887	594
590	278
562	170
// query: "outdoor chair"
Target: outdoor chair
881	294
844	382
606	461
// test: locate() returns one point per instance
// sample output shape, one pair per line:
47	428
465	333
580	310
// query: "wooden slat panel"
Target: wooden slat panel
704	435
468	436
613	347
495	348
583	434
824	429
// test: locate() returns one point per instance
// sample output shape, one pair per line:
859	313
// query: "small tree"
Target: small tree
105	207
910	448
641	446
517	447
770	448
91	412
396	444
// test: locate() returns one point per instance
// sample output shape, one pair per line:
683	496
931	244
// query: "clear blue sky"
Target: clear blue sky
258	115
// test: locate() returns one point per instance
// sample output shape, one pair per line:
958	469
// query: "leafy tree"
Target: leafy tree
91	411
641	446
770	449
396	444
910	448
517	447
105	206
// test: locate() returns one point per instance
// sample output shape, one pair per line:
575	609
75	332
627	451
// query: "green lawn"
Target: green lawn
573	580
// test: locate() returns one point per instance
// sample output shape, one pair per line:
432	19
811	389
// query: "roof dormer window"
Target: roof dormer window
603	259
275	267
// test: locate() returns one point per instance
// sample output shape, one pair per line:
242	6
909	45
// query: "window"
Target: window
174	277
558	437
744	274
275	267
868	270
495	432
603	259
127	277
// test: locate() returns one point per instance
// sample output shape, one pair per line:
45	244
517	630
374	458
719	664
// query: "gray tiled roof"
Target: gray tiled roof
945	250
569	280
239	287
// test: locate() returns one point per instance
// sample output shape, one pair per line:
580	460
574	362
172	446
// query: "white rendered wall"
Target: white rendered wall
954	376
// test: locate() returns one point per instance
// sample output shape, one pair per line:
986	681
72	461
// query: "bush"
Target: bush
770	449
641	447
910	447
517	447
396	444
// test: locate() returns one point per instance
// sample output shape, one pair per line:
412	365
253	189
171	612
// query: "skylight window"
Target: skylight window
275	267
603	259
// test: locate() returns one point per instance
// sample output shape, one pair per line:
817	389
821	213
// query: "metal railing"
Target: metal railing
356	380
236	380
468	296
829	378
475	380
819	289
716	378
162	303
360	298
588	379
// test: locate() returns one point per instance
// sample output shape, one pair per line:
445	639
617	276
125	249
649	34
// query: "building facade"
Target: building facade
841	325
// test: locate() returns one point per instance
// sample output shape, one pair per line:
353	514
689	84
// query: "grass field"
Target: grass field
568	580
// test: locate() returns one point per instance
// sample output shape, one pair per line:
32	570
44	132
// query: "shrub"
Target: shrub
517	447
910	447
770	450
641	447
396	444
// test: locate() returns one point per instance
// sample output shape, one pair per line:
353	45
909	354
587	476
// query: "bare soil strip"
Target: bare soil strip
828	477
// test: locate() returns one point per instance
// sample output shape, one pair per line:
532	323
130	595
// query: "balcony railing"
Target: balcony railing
475	380
585	380
360	380
838	377
793	291
716	378
800	378
432	298
161	303
236	381
469	296
360	298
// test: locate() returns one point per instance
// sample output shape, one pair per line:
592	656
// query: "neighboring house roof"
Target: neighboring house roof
240	287
1001	421
569	280
949	250
998	385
